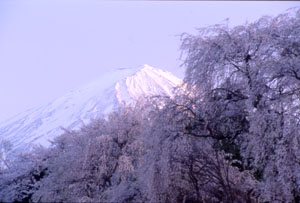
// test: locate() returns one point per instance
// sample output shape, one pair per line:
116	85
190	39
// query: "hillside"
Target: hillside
94	100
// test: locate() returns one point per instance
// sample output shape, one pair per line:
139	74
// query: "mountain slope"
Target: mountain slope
39	125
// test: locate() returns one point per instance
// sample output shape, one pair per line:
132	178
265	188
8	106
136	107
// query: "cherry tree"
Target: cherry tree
249	78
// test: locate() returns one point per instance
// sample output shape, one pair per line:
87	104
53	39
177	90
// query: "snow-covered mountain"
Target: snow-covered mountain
39	125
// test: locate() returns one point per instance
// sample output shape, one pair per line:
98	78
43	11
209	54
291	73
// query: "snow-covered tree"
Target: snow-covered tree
249	76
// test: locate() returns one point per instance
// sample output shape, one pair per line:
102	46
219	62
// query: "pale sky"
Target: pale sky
48	47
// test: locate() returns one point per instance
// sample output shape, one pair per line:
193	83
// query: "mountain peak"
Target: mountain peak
146	66
146	82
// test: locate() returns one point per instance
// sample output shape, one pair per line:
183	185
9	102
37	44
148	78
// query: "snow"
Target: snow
94	100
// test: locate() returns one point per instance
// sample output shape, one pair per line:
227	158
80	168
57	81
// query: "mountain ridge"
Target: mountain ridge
101	96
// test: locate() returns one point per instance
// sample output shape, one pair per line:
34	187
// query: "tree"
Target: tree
249	78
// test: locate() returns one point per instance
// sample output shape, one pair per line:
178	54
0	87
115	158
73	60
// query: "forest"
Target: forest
230	133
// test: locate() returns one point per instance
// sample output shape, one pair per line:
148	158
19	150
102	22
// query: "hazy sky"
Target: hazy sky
50	47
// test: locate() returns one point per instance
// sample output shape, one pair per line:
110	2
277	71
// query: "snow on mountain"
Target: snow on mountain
39	125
